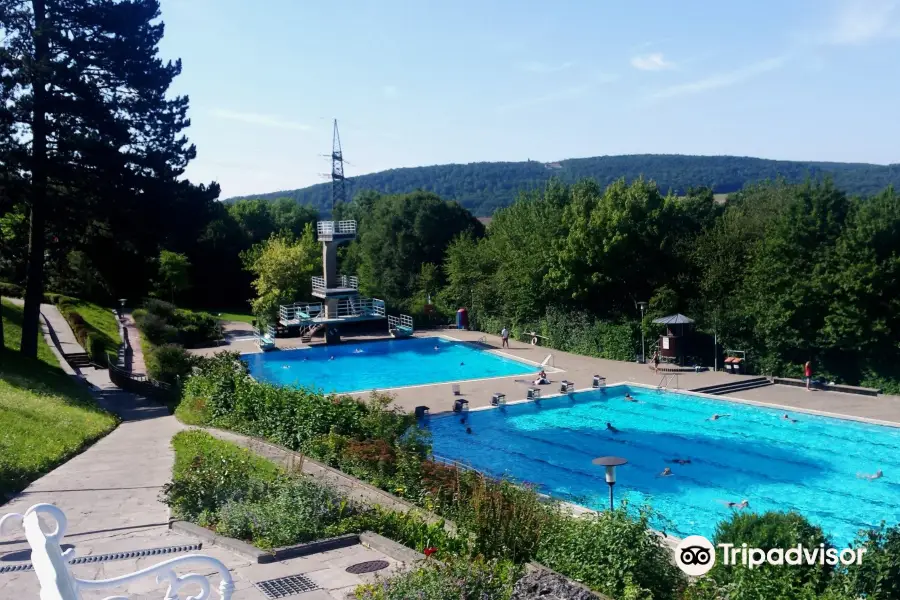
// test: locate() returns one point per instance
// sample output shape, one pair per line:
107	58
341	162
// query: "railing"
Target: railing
299	312
667	379
344	281
332	228
403	321
359	307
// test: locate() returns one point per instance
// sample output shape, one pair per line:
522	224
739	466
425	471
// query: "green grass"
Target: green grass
102	321
224	315
45	416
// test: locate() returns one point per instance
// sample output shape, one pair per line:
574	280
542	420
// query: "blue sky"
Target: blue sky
420	82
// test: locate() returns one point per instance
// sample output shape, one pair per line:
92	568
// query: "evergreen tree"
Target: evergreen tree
84	95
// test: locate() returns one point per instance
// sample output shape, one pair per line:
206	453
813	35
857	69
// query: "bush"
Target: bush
169	363
766	531
196	329
209	473
155	328
457	579
612	552
11	290
160	308
878	576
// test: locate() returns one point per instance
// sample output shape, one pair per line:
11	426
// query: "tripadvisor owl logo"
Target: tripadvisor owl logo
695	555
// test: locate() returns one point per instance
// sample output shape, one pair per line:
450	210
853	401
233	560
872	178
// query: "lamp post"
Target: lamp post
643	306
122	306
610	462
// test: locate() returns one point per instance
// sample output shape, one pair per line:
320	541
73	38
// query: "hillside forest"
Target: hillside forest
482	188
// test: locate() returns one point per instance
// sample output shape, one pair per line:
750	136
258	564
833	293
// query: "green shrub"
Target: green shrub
209	473
612	552
456	579
878	575
292	512
766	531
160	308
157	330
196	329
11	290
169	363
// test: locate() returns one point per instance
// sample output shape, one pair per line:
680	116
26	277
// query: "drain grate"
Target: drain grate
286	586
368	567
95	558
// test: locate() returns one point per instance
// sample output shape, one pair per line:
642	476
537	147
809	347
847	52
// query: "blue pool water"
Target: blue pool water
809	466
381	365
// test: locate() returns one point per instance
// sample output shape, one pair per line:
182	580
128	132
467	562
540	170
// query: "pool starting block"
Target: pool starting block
599	382
566	386
461	406
534	393
498	400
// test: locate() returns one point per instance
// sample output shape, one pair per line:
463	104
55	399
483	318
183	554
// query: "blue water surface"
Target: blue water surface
809	466
381	365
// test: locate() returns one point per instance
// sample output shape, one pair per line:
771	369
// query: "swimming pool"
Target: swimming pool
382	365
809	466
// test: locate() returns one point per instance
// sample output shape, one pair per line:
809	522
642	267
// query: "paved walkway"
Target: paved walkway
137	365
110	494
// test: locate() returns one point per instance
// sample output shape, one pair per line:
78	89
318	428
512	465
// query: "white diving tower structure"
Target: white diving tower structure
341	302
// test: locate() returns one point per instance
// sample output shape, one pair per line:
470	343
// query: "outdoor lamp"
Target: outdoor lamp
610	462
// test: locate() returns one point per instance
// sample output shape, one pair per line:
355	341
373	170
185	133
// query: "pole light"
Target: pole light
643	306
610	462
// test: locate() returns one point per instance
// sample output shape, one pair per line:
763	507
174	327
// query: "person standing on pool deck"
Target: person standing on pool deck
807	372
504	335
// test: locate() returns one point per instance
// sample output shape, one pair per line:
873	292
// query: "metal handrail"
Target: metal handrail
345	281
403	321
325	228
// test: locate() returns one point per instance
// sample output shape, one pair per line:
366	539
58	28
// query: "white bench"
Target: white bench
51	564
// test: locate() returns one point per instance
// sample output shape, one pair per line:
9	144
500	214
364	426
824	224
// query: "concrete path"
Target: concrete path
137	364
110	494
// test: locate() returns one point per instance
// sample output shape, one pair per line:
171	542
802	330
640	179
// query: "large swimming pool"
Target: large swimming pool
382	365
809	466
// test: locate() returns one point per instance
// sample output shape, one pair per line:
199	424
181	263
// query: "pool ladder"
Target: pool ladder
666	380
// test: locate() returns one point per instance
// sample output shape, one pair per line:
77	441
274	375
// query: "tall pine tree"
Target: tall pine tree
93	132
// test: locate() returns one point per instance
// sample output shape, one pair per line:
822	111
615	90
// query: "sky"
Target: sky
422	82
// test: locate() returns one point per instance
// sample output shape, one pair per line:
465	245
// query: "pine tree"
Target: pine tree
93	130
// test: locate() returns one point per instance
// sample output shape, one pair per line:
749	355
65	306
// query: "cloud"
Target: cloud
390	91
541	67
651	62
722	80
258	119
862	21
564	94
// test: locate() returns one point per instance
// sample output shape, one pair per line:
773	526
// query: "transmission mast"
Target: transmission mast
338	188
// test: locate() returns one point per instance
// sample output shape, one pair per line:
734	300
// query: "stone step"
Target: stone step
735	386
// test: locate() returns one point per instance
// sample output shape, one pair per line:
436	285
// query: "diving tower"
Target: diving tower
341	301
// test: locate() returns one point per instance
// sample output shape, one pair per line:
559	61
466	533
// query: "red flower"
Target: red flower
429	551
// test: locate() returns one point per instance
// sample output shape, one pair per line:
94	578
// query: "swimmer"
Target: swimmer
468	430
609	427
629	398
462	364
876	475
681	461
739	505
463	420
331	358
437	348
787	418
717	416
667	472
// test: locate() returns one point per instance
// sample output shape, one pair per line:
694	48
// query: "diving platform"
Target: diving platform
346	286
334	231
342	310
401	326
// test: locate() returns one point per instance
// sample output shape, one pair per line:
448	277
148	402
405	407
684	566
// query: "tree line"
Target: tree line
482	188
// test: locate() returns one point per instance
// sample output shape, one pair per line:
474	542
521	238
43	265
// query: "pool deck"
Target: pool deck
439	397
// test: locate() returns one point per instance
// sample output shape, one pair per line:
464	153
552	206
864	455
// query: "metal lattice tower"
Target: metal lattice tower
338	187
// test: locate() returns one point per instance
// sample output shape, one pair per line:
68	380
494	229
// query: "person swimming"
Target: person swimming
667	472
717	416
739	505
788	418
331	357
681	461
462	364
437	347
876	475
629	398
358	351
609	427
468	430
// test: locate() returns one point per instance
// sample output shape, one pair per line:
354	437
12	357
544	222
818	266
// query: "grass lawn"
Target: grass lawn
102	321
45	416
224	315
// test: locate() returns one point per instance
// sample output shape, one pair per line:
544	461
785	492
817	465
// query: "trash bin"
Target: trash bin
738	366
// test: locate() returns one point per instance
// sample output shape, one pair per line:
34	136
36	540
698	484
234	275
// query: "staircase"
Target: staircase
78	360
309	332
734	386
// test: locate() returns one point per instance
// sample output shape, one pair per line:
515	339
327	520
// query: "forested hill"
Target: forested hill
485	187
